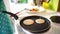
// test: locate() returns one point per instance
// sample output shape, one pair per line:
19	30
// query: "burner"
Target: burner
55	19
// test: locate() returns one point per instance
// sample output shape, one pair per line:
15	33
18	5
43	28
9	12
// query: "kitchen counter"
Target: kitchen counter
55	28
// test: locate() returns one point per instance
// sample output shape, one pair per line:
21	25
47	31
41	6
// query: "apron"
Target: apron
5	22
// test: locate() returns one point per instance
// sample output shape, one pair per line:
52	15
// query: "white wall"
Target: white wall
14	7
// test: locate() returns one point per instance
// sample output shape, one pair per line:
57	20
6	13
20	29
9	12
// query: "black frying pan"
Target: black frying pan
34	28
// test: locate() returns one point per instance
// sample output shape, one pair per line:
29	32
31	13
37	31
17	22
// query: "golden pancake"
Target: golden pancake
28	22
40	21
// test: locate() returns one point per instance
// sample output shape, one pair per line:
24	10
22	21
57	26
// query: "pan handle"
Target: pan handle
14	15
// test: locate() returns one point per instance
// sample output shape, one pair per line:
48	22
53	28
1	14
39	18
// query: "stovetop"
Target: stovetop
55	28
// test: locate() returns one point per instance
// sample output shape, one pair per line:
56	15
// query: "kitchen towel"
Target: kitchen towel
6	26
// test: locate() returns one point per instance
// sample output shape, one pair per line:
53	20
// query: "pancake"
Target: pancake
40	21
28	22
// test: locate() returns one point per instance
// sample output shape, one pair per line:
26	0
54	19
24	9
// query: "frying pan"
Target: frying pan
34	28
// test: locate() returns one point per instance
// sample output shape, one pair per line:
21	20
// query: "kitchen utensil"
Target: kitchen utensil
40	27
37	2
32	28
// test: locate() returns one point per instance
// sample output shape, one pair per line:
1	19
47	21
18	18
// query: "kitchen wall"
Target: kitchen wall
15	7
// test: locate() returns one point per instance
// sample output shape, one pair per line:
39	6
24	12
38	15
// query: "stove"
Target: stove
55	27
